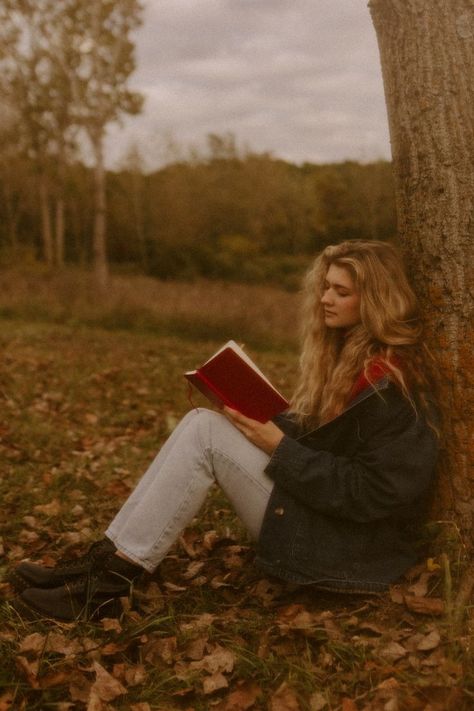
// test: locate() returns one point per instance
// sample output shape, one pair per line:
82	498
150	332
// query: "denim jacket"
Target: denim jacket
349	495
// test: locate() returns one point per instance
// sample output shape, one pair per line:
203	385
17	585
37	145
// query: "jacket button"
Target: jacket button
279	511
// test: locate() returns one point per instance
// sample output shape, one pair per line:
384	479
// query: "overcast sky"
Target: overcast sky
297	78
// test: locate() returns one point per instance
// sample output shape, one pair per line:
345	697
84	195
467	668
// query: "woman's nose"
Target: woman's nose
326	297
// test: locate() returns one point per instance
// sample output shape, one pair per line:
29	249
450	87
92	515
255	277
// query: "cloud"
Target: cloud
297	78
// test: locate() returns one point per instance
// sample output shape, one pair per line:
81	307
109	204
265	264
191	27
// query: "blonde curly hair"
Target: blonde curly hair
390	332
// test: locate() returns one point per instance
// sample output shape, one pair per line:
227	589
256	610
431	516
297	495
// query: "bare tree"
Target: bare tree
427	56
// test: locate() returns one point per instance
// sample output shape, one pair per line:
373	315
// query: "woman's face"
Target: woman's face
340	299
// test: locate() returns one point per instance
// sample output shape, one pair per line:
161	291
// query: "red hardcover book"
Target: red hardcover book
231	378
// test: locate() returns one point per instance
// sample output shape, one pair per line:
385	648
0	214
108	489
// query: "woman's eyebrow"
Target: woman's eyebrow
336	285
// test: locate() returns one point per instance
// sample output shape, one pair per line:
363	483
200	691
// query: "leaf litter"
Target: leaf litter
207	631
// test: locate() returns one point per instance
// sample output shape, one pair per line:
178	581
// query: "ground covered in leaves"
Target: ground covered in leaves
83	412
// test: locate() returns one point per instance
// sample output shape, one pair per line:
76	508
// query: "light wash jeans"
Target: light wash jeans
204	449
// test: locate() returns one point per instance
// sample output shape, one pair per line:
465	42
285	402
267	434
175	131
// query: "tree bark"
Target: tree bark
427	56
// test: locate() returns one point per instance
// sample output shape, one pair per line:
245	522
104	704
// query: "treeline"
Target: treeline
224	214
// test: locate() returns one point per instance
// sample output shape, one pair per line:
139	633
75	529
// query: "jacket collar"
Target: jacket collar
369	391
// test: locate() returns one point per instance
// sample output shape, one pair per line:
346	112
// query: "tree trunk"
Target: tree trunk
427	56
46	230
59	230
99	237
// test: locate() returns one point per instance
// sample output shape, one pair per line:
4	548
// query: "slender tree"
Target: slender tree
427	57
95	49
36	88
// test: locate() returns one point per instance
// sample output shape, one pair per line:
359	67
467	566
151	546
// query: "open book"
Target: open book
231	378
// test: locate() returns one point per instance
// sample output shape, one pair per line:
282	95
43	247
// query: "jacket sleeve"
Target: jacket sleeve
390	471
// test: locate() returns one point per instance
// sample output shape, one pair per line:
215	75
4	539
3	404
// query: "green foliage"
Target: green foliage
223	215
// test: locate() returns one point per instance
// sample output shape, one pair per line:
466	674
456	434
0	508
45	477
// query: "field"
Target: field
88	395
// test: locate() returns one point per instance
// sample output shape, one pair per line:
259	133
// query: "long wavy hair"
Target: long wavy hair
389	332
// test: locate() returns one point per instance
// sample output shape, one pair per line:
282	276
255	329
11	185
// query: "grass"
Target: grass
85	409
192	310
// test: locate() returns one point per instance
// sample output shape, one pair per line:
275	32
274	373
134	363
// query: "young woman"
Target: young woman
332	490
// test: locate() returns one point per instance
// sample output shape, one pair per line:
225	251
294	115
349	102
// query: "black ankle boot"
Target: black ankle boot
88	597
31	575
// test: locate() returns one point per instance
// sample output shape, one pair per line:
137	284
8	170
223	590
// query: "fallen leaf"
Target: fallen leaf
80	688
29	669
425	605
110	624
201	622
397	594
219	660
193	569
33	643
6	701
241	699
60	644
210	539
55	679
420	588
393	651
195	649
161	648
135	674
284	699
267	592
51	509
348	705
317	701
106	687
214	682
430	641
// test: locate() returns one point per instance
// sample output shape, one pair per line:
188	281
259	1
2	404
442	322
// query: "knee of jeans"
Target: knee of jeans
207	422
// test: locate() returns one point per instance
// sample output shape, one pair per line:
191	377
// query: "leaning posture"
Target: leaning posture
333	491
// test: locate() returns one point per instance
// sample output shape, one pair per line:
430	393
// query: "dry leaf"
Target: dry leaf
284	699
33	643
55	679
6	701
110	624
210	539
193	569
430	641
51	509
161	648
214	682
393	651
201	622
59	643
80	688
348	705
267	592
317	701
135	675
106	687
397	595
95	703
219	660
29	669
195	649
425	605
243	698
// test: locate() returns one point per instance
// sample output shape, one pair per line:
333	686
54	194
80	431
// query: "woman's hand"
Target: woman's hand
267	436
